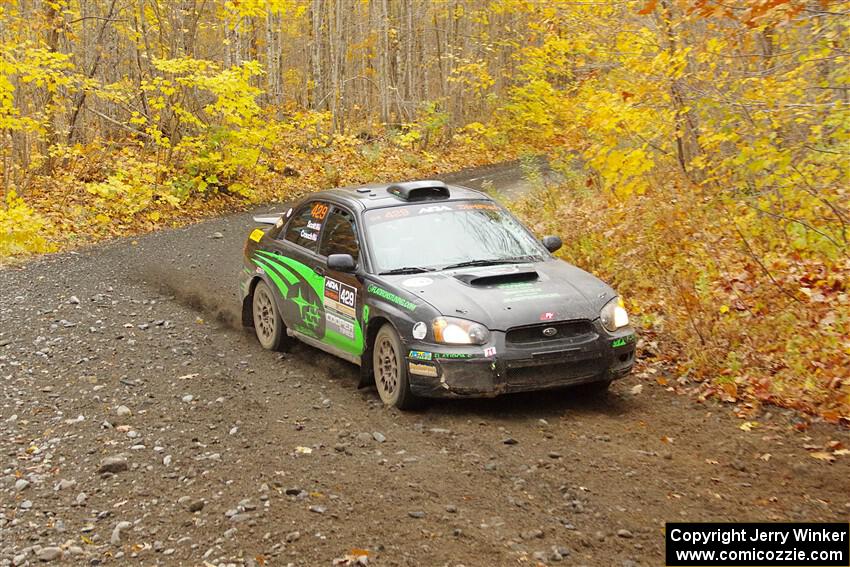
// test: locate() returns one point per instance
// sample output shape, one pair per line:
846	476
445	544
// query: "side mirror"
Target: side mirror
552	243
341	263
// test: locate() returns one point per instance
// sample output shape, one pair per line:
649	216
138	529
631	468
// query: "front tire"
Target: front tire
390	367
271	332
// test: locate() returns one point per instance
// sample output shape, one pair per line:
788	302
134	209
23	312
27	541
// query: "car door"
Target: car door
343	292
292	262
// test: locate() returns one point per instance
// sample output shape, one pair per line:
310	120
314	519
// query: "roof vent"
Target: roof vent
419	190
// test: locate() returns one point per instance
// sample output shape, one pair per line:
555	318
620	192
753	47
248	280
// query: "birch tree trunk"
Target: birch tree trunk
318	82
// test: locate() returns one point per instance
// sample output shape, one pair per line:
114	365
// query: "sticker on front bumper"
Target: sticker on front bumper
422	369
420	355
490	351
622	341
257	235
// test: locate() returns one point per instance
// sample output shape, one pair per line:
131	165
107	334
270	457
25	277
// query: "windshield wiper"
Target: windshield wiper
491	262
524	258
478	263
407	270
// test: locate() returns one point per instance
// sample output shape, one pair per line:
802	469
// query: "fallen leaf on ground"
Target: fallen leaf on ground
731	391
831	416
823	456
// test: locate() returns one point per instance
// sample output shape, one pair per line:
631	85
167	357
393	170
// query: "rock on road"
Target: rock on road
139	423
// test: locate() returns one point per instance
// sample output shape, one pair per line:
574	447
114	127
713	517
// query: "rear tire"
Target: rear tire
271	332
390	367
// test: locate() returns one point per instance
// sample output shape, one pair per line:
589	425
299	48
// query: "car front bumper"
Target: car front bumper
445	371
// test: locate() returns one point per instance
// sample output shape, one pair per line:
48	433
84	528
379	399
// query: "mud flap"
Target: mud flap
247	310
366	378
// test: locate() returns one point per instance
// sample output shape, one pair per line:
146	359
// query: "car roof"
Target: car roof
376	195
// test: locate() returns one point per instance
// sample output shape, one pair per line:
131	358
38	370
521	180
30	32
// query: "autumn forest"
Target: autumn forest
702	146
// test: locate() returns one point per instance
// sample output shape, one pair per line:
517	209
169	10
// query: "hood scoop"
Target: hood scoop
479	280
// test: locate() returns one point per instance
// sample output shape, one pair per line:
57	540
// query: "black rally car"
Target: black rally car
434	291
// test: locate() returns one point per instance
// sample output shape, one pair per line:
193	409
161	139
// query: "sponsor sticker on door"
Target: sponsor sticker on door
340	307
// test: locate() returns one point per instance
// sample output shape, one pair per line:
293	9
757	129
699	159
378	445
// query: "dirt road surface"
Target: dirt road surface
140	425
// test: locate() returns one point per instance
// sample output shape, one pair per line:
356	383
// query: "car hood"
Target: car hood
507	296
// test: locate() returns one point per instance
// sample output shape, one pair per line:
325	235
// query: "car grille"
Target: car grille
566	331
553	375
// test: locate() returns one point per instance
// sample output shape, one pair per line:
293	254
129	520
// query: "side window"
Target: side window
339	236
306	225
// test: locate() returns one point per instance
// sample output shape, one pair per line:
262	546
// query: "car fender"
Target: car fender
401	308
379	315
381	310
247	308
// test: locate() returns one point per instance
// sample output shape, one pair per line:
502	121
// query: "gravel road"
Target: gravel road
140	424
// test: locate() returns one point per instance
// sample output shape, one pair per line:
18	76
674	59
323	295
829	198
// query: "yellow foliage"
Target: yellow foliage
261	8
129	190
22	230
474	75
27	64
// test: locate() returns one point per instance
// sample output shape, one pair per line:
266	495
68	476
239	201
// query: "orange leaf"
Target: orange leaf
648	8
831	416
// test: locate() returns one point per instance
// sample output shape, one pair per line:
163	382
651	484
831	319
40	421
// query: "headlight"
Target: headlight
614	315
454	331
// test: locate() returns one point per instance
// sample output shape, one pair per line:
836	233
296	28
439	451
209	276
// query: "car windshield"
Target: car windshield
437	236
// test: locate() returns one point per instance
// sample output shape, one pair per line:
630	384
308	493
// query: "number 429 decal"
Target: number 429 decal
319	211
340	307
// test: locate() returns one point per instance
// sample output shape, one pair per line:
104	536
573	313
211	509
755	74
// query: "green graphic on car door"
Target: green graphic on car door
319	307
